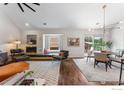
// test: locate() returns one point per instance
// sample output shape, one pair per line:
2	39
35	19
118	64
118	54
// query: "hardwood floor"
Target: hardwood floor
70	74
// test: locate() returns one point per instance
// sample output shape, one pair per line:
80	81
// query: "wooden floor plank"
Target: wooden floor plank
70	74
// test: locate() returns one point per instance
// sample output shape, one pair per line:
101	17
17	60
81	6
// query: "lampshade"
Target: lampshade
17	42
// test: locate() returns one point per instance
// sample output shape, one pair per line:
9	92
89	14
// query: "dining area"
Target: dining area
108	58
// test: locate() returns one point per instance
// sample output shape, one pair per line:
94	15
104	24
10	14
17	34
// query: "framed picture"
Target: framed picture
73	41
31	39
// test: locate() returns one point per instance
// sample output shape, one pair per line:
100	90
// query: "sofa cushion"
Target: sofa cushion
3	58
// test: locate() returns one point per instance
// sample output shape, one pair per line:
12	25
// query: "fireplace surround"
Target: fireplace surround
31	49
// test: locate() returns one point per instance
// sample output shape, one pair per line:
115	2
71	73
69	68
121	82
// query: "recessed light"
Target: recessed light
26	24
121	22
44	23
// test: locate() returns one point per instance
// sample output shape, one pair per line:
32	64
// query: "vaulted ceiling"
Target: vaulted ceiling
63	15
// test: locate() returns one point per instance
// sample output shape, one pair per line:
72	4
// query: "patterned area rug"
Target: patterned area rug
48	70
99	73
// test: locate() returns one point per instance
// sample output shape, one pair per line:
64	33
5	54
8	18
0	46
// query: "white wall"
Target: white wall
78	33
8	33
66	34
117	37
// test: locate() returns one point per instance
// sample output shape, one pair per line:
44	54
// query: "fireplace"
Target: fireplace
31	49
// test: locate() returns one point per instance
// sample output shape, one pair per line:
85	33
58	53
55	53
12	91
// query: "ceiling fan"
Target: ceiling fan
25	4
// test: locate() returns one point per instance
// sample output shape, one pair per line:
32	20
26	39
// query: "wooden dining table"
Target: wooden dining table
106	52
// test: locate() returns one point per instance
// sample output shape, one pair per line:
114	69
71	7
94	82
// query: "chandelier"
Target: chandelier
104	25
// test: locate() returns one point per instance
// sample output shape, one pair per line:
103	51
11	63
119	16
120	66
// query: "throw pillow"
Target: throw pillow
1	61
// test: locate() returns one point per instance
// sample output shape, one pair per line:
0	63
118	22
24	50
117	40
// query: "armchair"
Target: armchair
116	57
62	55
18	55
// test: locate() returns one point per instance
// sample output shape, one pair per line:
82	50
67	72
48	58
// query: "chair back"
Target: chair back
17	52
119	53
64	53
122	53
100	56
89	52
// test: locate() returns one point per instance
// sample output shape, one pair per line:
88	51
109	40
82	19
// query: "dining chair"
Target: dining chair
102	58
90	54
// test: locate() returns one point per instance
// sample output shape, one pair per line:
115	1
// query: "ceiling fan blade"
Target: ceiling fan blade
20	7
29	7
5	3
36	3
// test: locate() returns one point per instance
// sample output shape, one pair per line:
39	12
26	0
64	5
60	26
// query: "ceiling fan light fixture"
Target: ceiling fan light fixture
44	24
25	4
5	3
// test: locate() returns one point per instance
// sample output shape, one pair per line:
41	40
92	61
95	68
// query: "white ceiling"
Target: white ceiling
65	16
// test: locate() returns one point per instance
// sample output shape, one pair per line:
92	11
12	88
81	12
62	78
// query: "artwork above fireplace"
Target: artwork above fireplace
31	39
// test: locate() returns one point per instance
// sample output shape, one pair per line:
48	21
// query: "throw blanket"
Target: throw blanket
12	69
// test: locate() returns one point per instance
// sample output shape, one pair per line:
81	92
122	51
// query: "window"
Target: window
94	42
88	43
54	43
98	43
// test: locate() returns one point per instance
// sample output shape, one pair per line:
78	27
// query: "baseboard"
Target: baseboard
76	57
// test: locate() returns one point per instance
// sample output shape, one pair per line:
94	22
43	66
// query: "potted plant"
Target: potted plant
109	44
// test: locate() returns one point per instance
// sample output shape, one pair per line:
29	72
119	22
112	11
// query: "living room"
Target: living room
57	40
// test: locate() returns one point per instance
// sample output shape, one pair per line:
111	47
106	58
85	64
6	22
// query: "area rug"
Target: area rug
98	73
48	70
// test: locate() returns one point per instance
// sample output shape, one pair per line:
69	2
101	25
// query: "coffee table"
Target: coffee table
32	81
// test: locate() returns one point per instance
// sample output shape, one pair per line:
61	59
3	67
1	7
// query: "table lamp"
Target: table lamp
17	42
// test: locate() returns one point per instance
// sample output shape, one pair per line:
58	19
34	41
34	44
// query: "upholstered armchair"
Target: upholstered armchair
18	55
62	55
